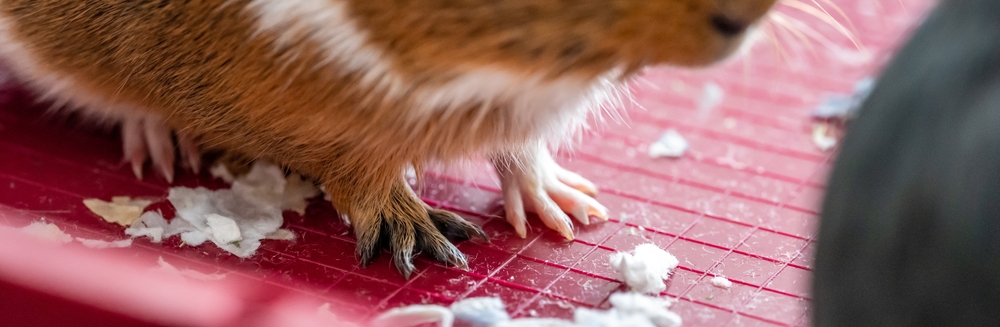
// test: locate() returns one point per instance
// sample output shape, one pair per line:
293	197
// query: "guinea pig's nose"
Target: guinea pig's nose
727	26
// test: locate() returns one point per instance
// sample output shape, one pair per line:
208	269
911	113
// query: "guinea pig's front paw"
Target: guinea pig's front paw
407	225
536	183
148	137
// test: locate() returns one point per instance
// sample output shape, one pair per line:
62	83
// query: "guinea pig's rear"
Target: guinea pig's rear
351	92
910	229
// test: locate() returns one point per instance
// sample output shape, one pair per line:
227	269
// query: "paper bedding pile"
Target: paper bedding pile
643	271
234	219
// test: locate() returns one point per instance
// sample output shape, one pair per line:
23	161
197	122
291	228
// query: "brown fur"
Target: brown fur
198	64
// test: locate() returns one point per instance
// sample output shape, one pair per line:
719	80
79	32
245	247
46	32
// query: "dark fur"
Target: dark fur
910	231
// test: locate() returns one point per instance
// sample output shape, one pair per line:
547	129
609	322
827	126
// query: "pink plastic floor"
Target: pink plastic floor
742	203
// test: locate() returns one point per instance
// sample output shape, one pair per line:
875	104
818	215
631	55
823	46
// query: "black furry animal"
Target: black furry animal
910	230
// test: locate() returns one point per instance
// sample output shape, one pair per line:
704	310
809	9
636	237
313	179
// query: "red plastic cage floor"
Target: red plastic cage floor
742	203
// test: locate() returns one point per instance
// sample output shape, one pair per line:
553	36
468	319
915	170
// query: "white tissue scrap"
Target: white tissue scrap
711	97
167	268
486	311
297	191
152	224
121	210
223	229
281	235
670	144
645	269
221	172
237	219
415	315
47	231
99	244
721	282
651	308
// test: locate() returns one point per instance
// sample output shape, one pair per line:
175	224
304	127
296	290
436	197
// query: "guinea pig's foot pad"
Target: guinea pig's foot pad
407	236
146	137
550	193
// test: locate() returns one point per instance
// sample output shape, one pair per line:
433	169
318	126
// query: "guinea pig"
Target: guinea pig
353	92
910	224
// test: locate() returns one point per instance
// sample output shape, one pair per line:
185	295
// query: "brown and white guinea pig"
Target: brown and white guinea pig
352	92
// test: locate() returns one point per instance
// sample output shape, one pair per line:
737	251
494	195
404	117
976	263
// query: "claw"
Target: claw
134	145
514	206
146	137
550	214
161	147
189	152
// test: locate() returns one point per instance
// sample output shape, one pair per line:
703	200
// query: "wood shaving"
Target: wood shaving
121	210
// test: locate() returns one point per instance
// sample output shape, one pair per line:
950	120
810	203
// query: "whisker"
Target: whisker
854	29
773	37
809	31
823	15
783	21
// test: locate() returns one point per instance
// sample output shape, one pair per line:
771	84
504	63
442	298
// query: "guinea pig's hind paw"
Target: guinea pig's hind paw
406	236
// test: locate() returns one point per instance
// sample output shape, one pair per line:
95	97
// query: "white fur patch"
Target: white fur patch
549	108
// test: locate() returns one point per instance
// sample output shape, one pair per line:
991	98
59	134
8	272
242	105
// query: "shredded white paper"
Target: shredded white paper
671	144
645	270
234	219
721	282
223	229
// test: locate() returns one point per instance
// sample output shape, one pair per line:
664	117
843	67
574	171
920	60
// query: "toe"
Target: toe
161	147
438	247
402	241
369	244
581	206
189	152
551	215
513	204
454	227
134	145
576	181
